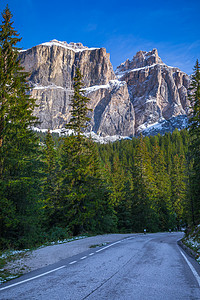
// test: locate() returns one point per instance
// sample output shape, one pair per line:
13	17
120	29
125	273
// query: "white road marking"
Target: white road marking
107	246
192	268
29	279
73	262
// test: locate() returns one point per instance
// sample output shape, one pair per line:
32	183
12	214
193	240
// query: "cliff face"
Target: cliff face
55	63
158	92
52	66
145	95
113	112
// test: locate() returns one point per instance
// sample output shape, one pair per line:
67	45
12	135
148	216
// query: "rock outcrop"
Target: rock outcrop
145	95
52	67
113	111
158	92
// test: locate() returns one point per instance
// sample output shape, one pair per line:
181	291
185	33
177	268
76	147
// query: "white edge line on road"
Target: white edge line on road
43	274
192	268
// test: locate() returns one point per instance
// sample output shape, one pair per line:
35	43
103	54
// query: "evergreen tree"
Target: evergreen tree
144	195
19	162
80	182
117	180
79	110
194	149
178	190
50	181
162	190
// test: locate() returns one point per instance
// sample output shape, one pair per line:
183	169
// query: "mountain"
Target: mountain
158	92
143	95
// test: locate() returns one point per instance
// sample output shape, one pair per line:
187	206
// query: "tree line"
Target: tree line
52	187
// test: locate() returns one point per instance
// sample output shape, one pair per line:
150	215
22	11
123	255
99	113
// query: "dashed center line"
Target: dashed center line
108	246
73	262
29	279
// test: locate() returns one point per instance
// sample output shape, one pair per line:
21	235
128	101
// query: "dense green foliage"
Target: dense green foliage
150	180
194	149
52	187
19	158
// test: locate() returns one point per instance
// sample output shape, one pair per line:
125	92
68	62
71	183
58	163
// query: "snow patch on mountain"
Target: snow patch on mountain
76	47
163	126
111	85
52	86
120	74
94	136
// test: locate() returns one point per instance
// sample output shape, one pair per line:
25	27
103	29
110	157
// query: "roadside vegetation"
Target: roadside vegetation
192	241
54	188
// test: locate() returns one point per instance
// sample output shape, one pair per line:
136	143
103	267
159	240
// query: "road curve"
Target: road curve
150	266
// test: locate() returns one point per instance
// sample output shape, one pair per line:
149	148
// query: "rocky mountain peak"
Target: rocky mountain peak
158	93
140	60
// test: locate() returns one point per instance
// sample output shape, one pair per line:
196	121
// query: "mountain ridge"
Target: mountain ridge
141	93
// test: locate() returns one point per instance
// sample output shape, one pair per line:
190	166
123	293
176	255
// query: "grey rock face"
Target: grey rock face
113	111
53	109
143	95
52	66
55	63
140	60
157	92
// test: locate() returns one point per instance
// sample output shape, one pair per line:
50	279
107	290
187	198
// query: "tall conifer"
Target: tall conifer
162	189
194	149
18	143
81	186
79	109
144	195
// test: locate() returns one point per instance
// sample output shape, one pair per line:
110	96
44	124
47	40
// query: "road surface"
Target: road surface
150	266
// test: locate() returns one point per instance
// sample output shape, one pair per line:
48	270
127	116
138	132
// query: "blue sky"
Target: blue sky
122	27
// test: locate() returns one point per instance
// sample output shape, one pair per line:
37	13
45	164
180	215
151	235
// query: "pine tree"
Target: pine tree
194	149
162	190
79	109
117	180
50	181
80	182
18	144
178	189
143	205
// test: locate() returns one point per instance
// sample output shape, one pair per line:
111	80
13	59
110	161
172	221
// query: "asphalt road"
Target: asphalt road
150	266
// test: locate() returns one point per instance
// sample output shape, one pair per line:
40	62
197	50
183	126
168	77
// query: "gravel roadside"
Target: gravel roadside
45	256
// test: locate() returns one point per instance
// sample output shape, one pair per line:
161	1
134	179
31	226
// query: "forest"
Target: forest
53	187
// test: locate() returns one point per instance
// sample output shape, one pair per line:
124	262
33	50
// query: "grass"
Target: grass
7	257
192	240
